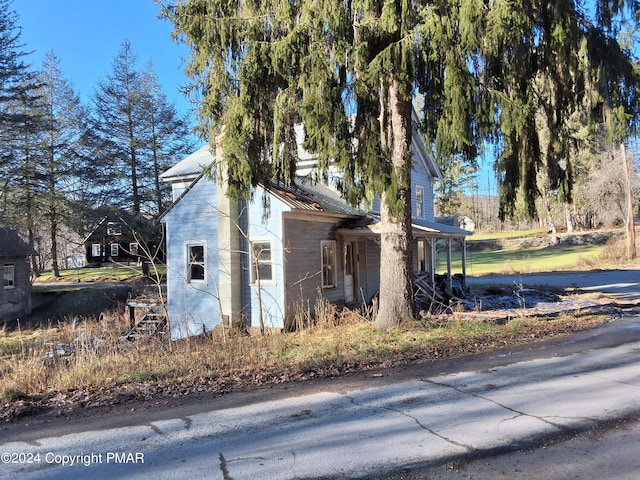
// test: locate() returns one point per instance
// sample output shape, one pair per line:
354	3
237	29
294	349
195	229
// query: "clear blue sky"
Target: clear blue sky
86	35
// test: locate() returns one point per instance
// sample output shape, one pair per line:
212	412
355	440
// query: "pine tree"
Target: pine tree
63	123
17	86
118	126
168	137
138	134
348	72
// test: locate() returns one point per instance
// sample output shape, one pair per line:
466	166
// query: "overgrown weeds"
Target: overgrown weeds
80	355
614	253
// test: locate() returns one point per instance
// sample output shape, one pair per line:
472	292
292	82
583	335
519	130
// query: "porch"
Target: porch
361	252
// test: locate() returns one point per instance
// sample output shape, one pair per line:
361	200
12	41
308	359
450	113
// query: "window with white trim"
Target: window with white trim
328	258
115	249
196	263
133	248
262	262
419	202
96	251
114	228
9	275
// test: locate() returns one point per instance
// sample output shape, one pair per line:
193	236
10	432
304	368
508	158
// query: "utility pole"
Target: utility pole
631	231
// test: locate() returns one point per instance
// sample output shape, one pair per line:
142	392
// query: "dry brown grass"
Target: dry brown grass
337	341
614	253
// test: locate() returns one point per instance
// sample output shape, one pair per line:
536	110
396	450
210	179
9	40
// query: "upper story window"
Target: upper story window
196	263
9	275
419	202
328	254
262	262
114	228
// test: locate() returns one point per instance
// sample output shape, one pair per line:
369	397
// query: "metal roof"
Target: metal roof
191	166
372	225
305	194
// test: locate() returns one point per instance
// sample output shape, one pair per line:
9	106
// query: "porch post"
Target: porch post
464	259
432	259
449	263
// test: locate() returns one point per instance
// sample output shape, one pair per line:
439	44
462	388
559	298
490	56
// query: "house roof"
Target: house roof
191	166
372	226
305	194
12	245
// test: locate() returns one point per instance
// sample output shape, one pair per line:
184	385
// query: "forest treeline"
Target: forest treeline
65	163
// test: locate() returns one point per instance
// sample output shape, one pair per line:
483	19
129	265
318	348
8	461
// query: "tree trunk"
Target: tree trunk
54	244
569	217
396	295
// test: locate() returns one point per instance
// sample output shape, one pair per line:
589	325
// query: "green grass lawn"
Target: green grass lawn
521	261
116	273
510	234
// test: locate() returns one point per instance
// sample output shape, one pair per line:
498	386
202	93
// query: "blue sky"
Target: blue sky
86	35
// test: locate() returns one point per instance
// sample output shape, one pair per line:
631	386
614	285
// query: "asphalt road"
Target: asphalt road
562	409
623	283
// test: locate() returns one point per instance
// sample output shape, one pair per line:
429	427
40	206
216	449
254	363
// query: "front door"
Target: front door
350	271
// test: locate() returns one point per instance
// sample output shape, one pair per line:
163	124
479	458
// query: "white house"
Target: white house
235	262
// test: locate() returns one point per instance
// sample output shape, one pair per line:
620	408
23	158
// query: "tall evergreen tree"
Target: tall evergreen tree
168	137
348	71
138	133
119	125
63	121
17	86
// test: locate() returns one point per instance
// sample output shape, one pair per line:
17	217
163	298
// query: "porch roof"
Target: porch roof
372	226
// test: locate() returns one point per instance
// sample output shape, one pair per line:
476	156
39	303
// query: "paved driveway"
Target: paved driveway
623	283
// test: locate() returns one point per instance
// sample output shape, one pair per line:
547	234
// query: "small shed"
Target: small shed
15	290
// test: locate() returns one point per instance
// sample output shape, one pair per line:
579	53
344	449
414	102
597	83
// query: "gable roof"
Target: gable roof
190	167
12	245
420	148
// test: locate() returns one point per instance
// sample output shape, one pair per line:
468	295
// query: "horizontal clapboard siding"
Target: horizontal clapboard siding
304	263
192	307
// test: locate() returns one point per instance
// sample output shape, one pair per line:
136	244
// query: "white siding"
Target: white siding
193	308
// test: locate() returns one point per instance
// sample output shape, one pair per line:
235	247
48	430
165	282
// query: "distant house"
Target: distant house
15	292
229	262
119	237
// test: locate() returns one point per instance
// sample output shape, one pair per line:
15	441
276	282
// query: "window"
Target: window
195	263
262	263
115	249
419	202
328	254
114	228
9	275
133	248
96	251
